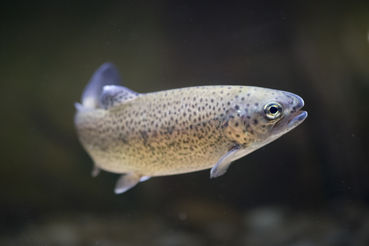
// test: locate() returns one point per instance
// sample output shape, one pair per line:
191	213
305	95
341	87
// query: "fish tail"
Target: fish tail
106	74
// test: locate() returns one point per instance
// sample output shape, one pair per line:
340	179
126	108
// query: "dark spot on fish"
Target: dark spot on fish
144	136
255	121
170	130
123	139
237	107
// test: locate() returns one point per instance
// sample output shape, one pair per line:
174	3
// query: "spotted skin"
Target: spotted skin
181	130
177	131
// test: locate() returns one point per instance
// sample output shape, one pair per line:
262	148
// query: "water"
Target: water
308	188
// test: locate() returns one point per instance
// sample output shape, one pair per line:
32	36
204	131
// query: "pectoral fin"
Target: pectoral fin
127	181
223	163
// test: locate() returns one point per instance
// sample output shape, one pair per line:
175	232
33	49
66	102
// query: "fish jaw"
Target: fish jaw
299	116
297	119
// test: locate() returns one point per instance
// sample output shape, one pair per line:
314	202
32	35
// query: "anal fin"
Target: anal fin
95	171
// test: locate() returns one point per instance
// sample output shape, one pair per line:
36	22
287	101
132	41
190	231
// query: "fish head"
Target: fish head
264	116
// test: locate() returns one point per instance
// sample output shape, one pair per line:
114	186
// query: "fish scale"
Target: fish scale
179	130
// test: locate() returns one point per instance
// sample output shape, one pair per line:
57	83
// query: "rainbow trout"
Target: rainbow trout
142	135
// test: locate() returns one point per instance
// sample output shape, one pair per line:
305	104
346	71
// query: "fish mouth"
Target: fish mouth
297	117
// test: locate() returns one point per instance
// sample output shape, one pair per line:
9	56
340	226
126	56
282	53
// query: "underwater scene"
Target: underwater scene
175	123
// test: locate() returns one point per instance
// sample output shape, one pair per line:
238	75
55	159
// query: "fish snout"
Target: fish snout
296	115
300	102
294	100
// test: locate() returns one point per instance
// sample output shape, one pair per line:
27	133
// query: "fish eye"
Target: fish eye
273	110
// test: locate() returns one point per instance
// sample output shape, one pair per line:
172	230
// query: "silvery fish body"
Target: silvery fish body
180	130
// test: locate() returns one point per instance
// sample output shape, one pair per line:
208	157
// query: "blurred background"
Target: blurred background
311	187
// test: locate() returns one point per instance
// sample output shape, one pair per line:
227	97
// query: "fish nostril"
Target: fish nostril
300	102
297	99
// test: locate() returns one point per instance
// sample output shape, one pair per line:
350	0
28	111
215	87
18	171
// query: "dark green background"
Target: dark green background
48	51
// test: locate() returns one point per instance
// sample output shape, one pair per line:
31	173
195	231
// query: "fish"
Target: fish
177	131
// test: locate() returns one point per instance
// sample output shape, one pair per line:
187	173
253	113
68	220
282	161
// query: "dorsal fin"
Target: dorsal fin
113	95
106	74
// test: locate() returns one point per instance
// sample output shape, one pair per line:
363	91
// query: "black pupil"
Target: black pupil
273	110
